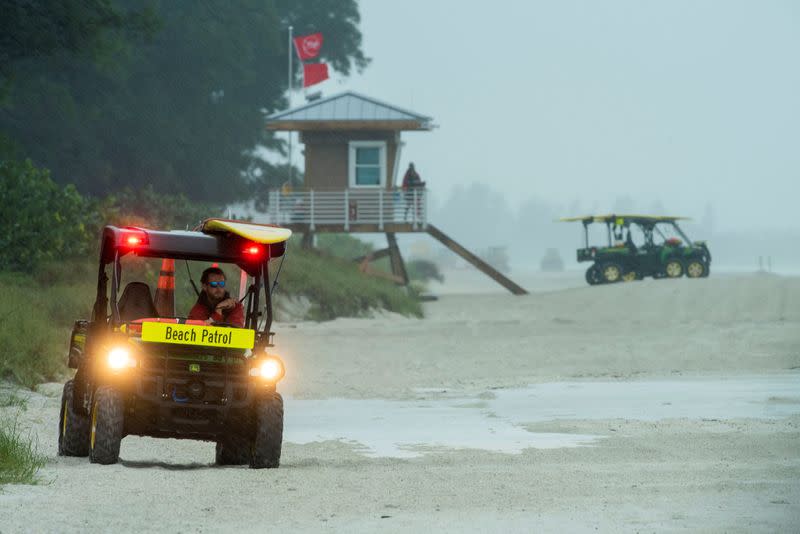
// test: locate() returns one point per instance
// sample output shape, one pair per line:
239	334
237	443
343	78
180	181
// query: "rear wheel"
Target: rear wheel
593	276
611	272
265	449
108	422
630	276
673	268
73	427
695	269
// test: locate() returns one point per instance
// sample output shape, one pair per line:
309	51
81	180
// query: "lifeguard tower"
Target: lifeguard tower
352	152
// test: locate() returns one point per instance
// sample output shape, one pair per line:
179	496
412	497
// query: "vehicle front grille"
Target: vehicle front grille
201	379
194	367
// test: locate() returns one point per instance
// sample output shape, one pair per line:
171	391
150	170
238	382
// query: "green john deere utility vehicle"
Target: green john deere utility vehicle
640	246
144	370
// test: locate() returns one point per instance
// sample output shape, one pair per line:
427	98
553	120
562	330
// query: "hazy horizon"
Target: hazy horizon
680	105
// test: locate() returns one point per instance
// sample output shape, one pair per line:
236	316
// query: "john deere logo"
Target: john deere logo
194	367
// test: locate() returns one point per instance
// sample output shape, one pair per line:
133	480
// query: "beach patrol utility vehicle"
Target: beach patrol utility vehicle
144	371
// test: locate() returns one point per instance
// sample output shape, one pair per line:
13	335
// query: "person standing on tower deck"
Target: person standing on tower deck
412	181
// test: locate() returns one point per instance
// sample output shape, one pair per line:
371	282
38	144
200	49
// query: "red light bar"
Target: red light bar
133	237
254	251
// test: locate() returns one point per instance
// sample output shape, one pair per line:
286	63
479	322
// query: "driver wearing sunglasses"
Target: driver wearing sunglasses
215	305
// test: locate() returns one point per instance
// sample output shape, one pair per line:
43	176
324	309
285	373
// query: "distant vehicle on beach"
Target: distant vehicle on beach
639	246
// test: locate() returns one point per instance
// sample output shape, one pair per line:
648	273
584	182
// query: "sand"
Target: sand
354	385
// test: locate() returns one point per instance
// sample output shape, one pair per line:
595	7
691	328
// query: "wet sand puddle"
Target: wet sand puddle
493	422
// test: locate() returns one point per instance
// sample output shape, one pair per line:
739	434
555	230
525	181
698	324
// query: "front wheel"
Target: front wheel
234	447
108	423
73	427
265	450
696	269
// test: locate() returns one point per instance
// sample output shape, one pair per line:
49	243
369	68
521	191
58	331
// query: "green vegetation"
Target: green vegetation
124	93
343	246
12	399
181	148
19	459
336	288
48	242
35	321
39	220
38	310
48	246
42	223
145	207
347	247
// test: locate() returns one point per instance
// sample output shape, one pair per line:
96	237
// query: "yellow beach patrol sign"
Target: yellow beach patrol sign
189	334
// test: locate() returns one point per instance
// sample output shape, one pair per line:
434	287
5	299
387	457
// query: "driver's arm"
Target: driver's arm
235	312
236	315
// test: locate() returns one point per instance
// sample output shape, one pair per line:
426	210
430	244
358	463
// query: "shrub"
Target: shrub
19	459
343	246
336	288
39	220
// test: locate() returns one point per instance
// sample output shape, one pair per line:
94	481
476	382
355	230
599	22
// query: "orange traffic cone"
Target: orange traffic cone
165	294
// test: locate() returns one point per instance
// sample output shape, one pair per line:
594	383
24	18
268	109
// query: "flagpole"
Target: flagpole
291	173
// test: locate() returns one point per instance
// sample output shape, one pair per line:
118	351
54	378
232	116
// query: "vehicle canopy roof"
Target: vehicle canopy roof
243	243
615	218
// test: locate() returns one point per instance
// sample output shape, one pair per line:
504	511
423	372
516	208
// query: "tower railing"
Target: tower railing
353	206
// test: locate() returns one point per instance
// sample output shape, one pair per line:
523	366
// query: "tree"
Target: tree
145	207
181	111
40	28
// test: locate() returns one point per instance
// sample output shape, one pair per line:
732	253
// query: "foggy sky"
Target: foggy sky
579	103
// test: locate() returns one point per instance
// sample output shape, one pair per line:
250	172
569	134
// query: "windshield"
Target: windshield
201	291
149	271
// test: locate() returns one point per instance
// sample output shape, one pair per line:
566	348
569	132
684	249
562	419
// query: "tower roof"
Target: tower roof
348	111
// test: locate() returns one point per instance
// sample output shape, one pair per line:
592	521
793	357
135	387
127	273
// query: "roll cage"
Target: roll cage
648	225
252	257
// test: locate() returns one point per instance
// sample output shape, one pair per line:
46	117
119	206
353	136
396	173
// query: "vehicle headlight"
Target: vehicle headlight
269	369
120	358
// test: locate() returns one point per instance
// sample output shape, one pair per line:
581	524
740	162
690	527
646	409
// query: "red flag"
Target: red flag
308	47
314	73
